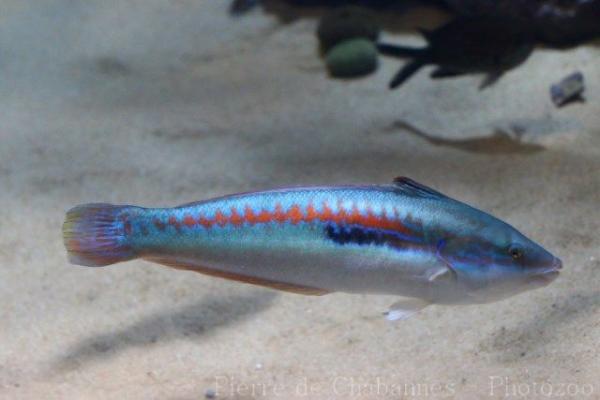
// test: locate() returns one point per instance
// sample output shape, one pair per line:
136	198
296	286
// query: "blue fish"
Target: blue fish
399	239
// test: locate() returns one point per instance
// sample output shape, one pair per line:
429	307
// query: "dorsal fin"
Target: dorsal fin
411	188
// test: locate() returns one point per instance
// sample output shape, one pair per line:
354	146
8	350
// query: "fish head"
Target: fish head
496	261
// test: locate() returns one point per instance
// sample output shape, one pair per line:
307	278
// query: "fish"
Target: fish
239	7
466	45
403	239
556	24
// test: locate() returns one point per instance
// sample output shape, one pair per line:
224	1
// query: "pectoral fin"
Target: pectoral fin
404	309
440	273
445	271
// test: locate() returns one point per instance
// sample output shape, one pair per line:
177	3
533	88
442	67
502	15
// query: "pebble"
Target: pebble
352	58
567	90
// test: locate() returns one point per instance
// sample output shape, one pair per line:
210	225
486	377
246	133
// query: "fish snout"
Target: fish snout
552	273
557	264
548	274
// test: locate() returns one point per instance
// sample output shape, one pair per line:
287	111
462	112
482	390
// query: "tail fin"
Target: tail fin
97	234
406	72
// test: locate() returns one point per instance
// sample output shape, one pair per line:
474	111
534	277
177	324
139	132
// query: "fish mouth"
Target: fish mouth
548	275
557	264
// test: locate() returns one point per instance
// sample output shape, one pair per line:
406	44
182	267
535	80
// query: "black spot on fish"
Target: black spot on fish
355	234
363	236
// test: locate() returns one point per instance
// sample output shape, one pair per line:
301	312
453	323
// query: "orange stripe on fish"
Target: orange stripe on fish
279	215
235	218
295	215
189	221
205	222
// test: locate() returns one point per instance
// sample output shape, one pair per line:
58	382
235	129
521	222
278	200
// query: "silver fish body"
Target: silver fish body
401	239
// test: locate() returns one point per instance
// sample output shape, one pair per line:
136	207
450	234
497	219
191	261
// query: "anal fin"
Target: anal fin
407	71
405	308
283	286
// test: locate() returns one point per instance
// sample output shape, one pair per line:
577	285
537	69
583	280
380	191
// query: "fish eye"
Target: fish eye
515	252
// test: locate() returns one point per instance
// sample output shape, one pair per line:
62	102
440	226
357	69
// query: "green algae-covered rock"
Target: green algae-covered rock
346	23
352	58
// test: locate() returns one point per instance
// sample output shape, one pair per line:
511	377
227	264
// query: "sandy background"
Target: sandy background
159	103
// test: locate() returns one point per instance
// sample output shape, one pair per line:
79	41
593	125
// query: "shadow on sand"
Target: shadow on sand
499	142
194	321
530	338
